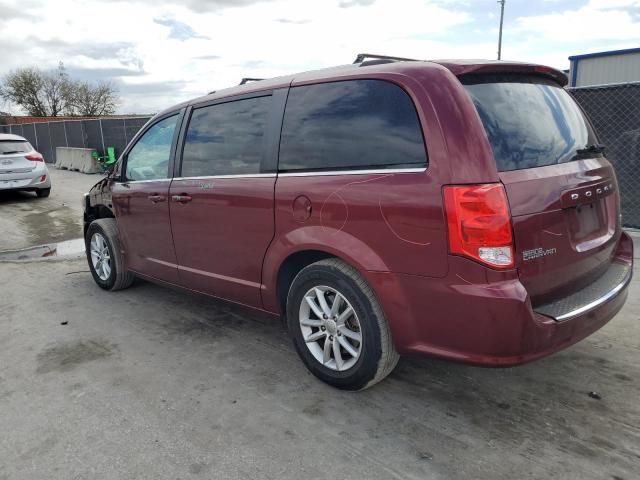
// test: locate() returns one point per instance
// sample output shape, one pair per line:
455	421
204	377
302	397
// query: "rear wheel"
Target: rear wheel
43	192
104	255
338	327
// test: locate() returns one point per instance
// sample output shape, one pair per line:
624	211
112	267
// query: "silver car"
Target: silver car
21	167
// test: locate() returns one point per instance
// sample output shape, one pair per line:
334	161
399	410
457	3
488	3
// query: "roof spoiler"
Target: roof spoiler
506	67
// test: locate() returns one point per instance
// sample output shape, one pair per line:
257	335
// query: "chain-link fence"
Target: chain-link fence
97	134
615	113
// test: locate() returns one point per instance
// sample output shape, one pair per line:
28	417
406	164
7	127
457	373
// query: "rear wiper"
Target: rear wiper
592	148
10	152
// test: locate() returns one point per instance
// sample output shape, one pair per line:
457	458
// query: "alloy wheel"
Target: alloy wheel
100	256
330	328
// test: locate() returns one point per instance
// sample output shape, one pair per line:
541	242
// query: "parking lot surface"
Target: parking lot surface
26	220
151	383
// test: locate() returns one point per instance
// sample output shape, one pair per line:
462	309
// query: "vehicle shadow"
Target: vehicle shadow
16	196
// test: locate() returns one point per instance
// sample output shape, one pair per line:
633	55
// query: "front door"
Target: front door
141	202
222	203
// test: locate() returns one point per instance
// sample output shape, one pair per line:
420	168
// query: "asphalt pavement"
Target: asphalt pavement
152	383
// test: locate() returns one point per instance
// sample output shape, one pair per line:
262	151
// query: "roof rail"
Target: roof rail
363	56
249	79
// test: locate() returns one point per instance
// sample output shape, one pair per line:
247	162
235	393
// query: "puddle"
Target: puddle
37	223
52	225
67	249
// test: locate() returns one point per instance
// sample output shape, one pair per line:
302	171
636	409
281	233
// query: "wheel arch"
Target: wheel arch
291	266
96	212
292	252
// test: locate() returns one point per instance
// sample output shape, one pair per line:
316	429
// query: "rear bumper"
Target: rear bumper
484	317
26	181
602	291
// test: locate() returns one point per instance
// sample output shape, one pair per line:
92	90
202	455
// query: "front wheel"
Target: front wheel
338	327
104	255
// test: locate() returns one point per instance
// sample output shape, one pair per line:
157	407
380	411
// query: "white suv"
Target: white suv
21	167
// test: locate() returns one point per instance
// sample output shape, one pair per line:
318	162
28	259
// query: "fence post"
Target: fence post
101	136
64	126
53	150
35	134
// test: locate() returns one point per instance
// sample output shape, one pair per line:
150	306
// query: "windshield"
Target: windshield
531	122
14	146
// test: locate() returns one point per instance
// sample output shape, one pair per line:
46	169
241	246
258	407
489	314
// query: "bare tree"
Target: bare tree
44	94
92	100
24	88
56	89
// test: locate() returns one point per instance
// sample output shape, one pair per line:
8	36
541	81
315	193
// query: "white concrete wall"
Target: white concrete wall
607	70
79	159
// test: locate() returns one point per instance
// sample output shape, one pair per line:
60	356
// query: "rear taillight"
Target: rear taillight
34	157
480	223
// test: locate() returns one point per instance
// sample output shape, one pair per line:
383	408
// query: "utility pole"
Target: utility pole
501	2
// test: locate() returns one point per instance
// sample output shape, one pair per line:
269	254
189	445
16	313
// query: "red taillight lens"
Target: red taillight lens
480	223
34	157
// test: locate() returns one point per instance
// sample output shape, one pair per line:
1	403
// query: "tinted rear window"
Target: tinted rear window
226	139
357	124
530	122
14	146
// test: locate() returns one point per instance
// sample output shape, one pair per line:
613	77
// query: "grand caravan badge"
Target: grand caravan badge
537	253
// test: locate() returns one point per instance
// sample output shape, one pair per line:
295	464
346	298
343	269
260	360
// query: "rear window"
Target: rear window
356	124
226	139
14	146
530	121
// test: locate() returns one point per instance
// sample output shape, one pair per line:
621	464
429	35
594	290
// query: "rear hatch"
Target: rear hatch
561	189
12	156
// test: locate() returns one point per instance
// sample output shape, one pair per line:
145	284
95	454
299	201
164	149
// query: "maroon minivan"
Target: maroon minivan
458	209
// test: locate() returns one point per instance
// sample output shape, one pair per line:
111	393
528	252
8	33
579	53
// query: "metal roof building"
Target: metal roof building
605	68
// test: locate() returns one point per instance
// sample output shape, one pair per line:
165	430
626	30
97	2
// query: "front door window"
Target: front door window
149	157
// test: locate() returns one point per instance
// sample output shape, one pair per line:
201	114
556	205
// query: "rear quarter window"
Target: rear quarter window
530	121
357	124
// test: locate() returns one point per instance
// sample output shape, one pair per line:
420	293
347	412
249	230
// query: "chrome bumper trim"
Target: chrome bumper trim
593	296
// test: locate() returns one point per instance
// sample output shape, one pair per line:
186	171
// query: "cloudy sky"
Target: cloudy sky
159	52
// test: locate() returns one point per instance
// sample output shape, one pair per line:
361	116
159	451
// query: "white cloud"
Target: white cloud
597	20
161	52
550	38
262	39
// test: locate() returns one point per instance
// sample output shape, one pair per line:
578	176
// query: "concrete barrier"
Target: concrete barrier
79	159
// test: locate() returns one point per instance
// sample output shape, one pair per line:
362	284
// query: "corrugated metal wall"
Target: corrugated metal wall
607	70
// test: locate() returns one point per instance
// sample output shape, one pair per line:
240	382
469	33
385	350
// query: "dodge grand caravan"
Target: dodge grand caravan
457	209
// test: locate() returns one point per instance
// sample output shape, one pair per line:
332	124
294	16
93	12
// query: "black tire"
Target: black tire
43	192
378	356
119	277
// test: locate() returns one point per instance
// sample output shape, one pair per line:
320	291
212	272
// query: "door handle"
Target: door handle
184	198
157	198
